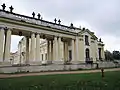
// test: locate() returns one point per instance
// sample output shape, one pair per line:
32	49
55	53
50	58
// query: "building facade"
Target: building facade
90	49
46	42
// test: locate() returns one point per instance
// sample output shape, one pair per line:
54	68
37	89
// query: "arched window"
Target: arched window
87	53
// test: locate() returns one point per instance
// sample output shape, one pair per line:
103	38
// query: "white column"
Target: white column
7	46
66	46
59	48
77	53
56	48
73	51
1	43
37	47
103	54
48	50
27	50
32	47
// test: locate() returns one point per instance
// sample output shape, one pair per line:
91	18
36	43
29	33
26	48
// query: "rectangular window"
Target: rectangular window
86	40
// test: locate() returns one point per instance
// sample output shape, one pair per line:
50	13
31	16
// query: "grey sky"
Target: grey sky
100	16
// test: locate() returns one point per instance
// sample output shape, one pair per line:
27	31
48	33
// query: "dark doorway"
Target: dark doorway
88	60
87	53
99	51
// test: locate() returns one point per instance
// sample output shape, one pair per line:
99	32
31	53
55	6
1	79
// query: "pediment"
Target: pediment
87	32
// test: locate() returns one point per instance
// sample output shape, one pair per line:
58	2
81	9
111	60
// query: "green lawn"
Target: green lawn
92	81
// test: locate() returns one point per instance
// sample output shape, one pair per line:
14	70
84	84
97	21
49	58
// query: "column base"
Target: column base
49	61
46	62
77	62
58	62
5	64
35	63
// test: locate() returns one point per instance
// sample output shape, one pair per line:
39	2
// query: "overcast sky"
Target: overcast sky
100	16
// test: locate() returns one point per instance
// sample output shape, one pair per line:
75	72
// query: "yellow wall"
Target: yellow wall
81	49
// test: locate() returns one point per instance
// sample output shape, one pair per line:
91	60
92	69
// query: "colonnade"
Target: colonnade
33	54
53	53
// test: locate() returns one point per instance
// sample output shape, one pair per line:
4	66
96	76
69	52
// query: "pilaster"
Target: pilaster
1	43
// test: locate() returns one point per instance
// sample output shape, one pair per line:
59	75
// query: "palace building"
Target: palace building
46	42
90	49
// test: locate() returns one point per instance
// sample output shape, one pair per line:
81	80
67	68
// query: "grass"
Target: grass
90	81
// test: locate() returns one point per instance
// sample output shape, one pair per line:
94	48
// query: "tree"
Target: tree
116	55
108	55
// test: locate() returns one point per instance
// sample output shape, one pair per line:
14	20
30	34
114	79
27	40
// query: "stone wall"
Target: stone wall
53	67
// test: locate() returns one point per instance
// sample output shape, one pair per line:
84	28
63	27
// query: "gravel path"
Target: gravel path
50	73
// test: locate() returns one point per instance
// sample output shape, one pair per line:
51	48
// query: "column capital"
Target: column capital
5	28
1	28
32	33
48	39
60	36
27	36
55	36
76	37
37	33
72	39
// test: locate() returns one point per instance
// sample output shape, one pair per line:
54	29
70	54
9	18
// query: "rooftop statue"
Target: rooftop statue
11	8
55	20
3	6
59	21
38	15
33	15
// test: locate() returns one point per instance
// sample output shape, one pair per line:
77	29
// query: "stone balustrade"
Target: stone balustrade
32	20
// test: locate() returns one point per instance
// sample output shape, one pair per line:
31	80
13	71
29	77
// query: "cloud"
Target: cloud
100	16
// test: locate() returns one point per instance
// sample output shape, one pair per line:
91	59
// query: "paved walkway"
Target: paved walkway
50	73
